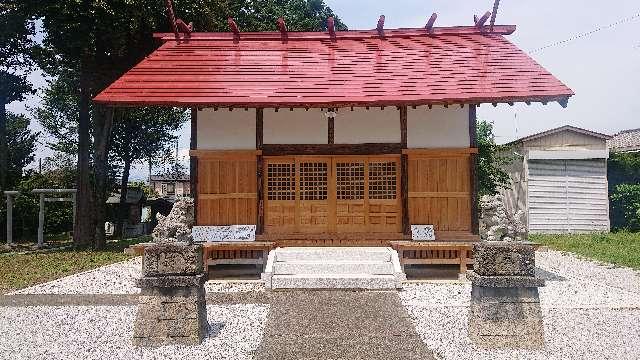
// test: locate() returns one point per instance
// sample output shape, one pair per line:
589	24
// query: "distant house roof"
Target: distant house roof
627	140
449	65
170	177
134	196
560	129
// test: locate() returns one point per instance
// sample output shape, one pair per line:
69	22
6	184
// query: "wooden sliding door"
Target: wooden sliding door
332	194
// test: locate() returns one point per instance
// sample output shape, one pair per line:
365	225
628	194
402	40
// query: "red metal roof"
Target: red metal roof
408	67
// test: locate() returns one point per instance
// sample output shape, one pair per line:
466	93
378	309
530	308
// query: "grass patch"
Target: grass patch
621	248
20	270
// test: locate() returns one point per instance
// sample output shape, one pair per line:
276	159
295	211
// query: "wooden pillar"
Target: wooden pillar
10	195
41	222
331	128
404	173
260	171
473	163
193	162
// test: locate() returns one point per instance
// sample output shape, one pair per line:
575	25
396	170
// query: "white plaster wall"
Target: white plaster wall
226	130
295	127
362	126
438	127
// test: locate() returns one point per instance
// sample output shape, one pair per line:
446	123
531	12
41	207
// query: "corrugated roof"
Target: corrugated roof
627	140
408	66
560	129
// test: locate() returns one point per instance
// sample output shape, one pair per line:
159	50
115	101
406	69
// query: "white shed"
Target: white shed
559	179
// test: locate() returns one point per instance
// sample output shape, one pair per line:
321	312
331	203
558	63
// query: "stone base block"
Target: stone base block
504	281
172	259
506	318
497	258
171	315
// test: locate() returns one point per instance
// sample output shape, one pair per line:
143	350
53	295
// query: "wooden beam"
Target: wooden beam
448	152
403	126
331	149
193	162
226	154
482	20
259	171
404	193
473	164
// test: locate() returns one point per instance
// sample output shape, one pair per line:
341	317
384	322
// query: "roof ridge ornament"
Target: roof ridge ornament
380	26
494	13
234	29
431	22
177	25
482	20
331	27
282	26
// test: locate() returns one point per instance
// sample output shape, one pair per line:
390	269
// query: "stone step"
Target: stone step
334	281
333	254
333	267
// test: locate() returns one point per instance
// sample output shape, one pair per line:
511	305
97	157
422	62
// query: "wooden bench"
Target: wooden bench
434	253
237	253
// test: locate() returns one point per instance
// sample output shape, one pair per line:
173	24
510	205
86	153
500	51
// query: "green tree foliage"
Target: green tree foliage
21	146
623	174
17	49
140	134
492	160
625	207
99	40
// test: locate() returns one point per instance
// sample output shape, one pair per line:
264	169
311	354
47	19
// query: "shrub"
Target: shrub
625	207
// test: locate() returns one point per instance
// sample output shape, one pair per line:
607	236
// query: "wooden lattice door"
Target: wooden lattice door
313	194
332	194
350	198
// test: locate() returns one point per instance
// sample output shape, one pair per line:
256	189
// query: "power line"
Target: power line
586	34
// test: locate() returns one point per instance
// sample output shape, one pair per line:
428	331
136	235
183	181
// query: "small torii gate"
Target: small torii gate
42	193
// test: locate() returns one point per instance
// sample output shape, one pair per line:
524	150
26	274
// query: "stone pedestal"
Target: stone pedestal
505	305
171	307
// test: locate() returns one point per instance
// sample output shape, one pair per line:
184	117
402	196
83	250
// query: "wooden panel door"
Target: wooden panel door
280	195
312	178
383	182
351	207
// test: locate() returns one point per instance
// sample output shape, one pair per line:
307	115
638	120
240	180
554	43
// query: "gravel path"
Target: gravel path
97	332
591	311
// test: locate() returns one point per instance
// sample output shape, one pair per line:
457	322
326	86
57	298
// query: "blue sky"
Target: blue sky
603	68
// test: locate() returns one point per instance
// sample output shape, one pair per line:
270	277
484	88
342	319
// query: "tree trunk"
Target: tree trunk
122	210
103	122
83	231
4	150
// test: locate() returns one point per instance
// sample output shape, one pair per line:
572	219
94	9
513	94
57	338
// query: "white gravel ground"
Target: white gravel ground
93	332
120	278
591	311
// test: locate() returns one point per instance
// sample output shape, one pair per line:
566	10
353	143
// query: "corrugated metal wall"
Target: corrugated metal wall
568	196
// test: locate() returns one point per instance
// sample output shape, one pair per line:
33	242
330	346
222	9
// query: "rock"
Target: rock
172	259
176	227
504	259
497	224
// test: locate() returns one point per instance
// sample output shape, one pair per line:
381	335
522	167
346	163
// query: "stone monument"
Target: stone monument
505	305
171	307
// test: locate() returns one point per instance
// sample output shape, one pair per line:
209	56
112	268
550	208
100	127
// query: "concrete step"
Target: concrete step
333	254
334	281
333	267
